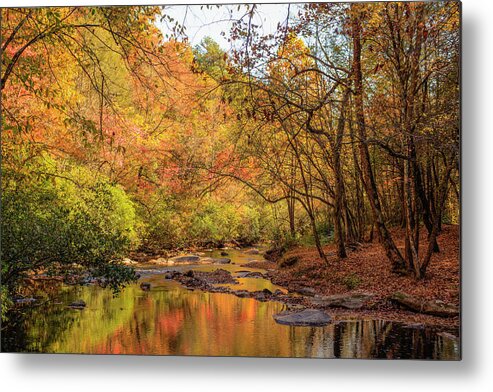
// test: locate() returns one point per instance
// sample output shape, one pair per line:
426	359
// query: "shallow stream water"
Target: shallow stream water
172	320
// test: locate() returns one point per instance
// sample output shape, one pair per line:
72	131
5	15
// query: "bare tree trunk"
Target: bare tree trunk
360	205
339	186
427	218
291	203
391	251
442	192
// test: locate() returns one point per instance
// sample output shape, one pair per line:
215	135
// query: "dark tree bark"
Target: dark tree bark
339	177
368	179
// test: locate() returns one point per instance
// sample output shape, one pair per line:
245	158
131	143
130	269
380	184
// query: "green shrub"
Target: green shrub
56	222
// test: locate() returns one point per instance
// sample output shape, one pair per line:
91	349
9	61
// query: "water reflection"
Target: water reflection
170	320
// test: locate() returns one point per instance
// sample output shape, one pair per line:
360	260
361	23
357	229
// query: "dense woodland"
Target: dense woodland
338	127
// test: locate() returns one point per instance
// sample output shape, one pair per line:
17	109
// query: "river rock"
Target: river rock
185	259
170	274
250	274
252	251
241	293
308	291
348	300
146	286
206	260
221	260
80	304
160	260
218	276
304	318
224	253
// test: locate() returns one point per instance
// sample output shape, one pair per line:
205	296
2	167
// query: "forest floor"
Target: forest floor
367	269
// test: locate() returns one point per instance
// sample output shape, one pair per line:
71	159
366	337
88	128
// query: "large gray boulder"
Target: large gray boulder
347	300
304	318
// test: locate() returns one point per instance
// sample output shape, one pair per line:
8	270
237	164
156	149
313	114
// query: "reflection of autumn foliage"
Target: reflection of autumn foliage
177	321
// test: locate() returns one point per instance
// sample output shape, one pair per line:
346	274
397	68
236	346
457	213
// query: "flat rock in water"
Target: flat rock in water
252	251
249	274
206	260
304	318
348	301
160	260
185	259
218	276
221	260
241	293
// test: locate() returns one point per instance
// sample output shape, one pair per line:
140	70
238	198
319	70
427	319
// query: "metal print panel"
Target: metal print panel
268	180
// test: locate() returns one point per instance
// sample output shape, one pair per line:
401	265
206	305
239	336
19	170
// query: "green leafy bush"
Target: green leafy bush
55	222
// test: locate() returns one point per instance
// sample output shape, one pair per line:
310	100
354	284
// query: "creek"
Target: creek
172	320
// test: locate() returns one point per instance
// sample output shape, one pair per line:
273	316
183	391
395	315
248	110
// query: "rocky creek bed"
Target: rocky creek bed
224	271
352	305
185	301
